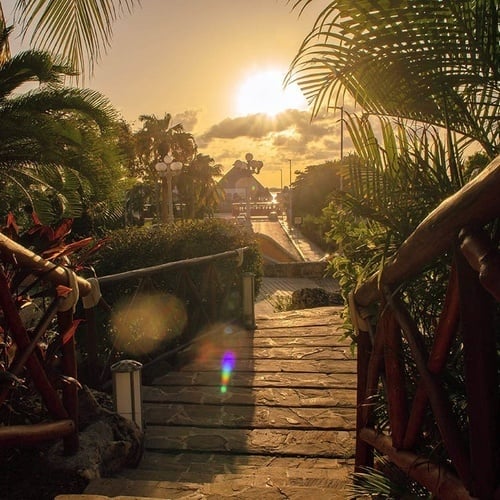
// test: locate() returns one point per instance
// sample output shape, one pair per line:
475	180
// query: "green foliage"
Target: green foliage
313	187
58	147
435	62
385	481
392	185
140	247
80	31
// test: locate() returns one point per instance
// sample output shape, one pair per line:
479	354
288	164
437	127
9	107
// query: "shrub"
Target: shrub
141	247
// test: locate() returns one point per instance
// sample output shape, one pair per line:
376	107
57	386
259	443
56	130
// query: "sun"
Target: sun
263	92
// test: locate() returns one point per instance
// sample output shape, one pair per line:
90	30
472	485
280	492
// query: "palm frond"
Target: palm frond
434	62
78	30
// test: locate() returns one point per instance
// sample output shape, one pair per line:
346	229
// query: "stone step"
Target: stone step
233	488
270	396
238	416
281	442
283	471
218	463
330	380
337	363
200	357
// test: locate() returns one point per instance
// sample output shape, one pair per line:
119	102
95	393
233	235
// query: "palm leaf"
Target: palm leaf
79	30
435	62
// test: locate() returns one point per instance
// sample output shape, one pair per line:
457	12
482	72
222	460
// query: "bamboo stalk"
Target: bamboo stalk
40	379
437	479
452	437
395	380
21	256
483	257
70	389
445	331
374	370
364	452
481	380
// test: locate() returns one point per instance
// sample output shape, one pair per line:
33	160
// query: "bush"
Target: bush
145	308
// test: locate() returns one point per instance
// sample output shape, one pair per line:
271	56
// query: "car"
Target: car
241	219
273	216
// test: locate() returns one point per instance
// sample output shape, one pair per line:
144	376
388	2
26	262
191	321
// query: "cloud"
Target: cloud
291	134
188	119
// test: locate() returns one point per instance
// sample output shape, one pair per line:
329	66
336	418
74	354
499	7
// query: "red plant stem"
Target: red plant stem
21	338
70	390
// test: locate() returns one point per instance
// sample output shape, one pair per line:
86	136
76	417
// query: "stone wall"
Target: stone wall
295	270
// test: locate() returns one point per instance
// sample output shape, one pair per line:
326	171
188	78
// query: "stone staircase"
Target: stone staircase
275	421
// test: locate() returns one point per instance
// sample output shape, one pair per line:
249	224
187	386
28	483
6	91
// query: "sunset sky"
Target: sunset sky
216	66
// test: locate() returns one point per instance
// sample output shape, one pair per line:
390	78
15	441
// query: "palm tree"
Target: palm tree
198	188
155	139
57	145
434	62
79	31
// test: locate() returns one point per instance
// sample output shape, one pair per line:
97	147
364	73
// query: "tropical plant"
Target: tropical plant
198	188
159	137
78	31
58	150
434	62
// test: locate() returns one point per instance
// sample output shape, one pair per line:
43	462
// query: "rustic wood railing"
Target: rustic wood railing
456	226
68	289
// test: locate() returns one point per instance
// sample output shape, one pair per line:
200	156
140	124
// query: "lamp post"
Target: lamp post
249	167
290	196
167	169
341	108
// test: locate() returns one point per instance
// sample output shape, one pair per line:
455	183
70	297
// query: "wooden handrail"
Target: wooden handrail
475	204
170	266
56	274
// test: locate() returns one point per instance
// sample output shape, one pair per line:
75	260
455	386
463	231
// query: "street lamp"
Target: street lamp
341	108
167	169
249	167
290	196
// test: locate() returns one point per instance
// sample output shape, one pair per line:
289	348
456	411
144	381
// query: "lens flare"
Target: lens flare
227	366
148	321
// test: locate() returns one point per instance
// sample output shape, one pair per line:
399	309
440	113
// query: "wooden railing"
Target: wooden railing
456	226
68	289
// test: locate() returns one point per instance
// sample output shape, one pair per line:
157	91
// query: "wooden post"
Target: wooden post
395	379
481	380
364	451
445	331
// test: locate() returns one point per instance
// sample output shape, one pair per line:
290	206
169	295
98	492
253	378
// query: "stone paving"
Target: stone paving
280	424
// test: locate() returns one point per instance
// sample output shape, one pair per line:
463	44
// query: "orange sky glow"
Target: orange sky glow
216	66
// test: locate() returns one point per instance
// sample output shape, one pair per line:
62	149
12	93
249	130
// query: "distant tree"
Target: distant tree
313	188
198	188
155	139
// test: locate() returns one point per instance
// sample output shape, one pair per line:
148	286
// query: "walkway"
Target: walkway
276	421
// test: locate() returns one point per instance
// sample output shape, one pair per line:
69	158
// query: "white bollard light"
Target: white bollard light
127	390
248	295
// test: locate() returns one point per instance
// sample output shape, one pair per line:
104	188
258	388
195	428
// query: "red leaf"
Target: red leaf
70	332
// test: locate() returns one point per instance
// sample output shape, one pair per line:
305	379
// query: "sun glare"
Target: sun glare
264	93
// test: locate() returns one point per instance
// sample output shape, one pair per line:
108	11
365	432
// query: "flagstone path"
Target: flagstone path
278	423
